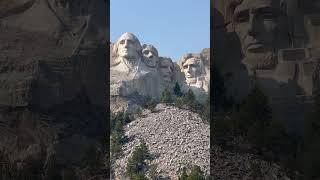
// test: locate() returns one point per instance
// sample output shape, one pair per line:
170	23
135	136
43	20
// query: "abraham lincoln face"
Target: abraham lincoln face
256	23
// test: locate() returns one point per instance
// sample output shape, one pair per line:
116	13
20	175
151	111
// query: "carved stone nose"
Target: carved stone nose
252	32
189	69
252	29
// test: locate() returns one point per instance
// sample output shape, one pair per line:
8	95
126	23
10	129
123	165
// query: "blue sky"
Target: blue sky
174	27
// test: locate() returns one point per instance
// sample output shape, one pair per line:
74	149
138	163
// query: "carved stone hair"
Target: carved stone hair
232	4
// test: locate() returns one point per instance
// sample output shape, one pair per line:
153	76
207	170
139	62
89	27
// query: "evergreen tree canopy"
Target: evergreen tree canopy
135	165
255	111
166	96
177	90
195	174
189	98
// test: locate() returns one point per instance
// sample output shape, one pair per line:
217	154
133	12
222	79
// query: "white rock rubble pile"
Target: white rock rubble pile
176	138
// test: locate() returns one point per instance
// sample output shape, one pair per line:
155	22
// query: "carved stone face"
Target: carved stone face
151	55
192	69
128	46
166	69
256	23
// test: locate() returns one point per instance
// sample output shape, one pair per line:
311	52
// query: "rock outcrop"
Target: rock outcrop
139	70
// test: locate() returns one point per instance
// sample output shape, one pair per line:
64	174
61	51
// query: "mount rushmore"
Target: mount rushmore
138	71
273	44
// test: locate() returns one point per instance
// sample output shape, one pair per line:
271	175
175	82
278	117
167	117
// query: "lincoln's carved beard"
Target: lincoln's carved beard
261	61
191	80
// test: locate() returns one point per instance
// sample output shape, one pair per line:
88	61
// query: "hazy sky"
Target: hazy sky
174	27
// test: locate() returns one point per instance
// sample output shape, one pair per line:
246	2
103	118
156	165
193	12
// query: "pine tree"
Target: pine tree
150	103
166	96
184	175
196	174
119	117
117	138
204	111
136	164
254	112
189	98
177	90
179	102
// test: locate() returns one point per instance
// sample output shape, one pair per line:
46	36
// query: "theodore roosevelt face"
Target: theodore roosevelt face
166	69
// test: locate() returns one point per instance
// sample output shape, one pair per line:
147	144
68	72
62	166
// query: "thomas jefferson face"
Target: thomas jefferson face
151	55
166	69
191	69
256	24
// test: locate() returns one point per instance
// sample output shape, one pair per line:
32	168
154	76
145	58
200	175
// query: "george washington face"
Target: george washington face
128	46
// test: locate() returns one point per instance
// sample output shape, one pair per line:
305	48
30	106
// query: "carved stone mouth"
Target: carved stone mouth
255	47
166	75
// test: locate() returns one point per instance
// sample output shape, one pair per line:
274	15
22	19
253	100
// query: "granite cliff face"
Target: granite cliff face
52	86
138	70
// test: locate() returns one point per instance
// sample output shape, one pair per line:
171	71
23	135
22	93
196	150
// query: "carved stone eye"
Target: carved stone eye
129	42
242	16
268	13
